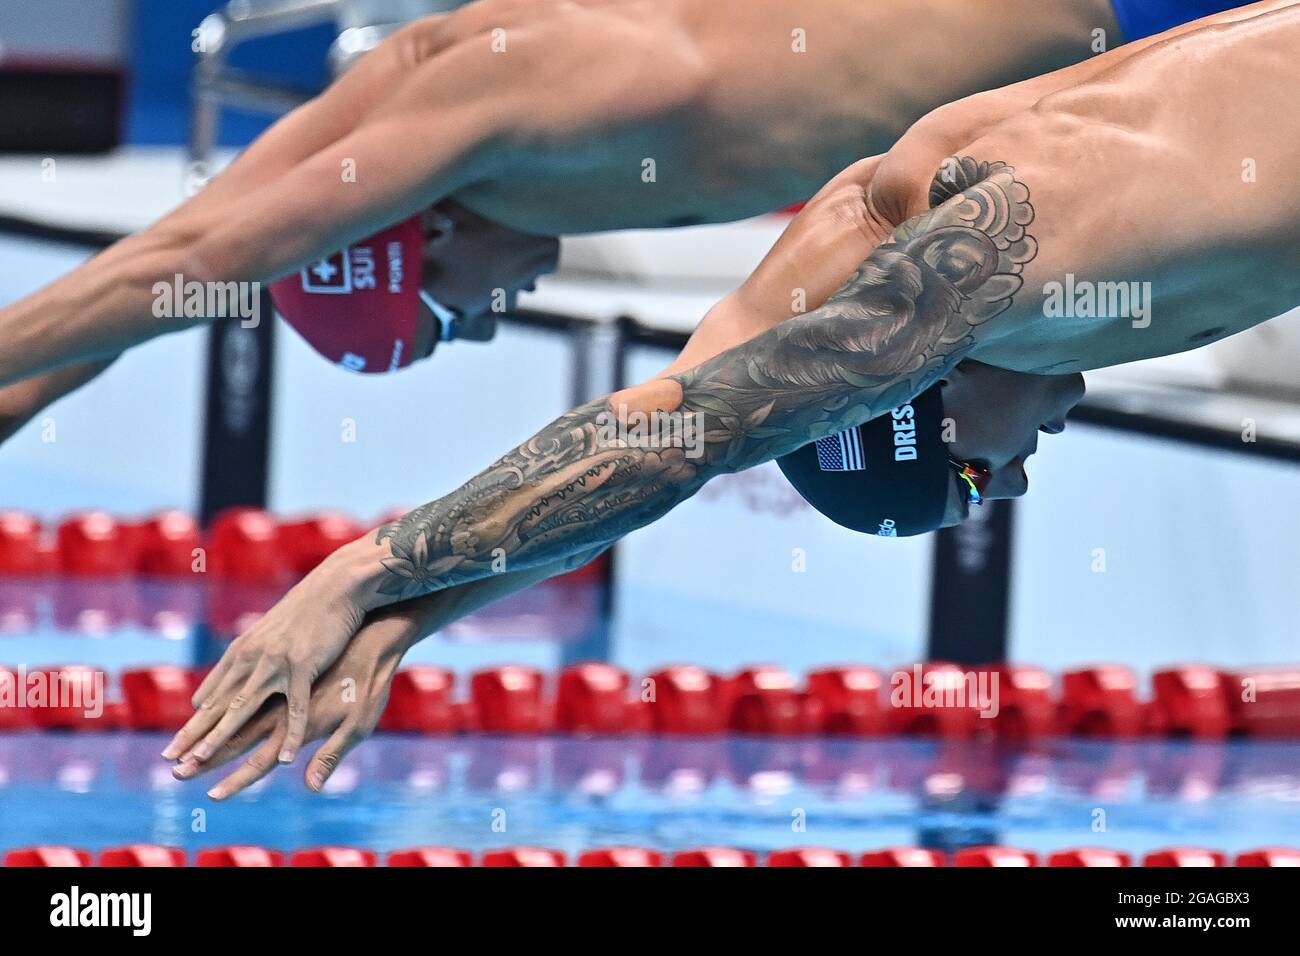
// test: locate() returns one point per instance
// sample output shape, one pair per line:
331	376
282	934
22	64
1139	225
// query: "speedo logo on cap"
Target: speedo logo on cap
905	448
888	529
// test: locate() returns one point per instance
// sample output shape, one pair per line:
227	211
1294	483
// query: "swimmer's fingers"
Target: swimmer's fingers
269	720
341	743
269	732
299	706
260	763
210	709
213	679
242	706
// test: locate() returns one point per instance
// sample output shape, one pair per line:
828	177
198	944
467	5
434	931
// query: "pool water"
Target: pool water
480	792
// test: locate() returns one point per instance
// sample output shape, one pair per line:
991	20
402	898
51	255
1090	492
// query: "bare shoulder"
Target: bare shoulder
613	61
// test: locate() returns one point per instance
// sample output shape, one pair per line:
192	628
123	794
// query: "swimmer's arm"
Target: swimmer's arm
586	480
436	130
425	616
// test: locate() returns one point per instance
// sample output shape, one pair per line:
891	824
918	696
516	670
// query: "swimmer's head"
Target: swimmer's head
477	268
386	301
924	464
997	416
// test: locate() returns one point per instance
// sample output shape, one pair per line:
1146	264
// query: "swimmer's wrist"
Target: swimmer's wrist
358	570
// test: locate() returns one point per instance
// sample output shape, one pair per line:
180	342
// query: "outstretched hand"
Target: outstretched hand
283	653
345	705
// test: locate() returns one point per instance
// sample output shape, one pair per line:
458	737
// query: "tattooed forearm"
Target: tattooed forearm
907	316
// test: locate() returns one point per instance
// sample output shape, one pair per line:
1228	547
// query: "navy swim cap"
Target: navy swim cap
889	477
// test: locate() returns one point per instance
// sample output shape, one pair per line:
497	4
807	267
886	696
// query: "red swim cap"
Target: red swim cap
361	308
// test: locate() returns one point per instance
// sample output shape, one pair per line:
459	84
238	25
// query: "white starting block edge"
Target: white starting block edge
122	192
668	279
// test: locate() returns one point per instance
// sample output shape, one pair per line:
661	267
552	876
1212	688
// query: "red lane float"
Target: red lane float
21	550
994	856
158	698
334	856
1023	703
240	856
1270	856
764	700
94	544
47	856
309	541
1185	856
851	700
244	545
592	698
1190	701
167	545
935	699
686	700
902	856
1265	703
1089	856
431	856
1100	702
142	854
420	701
70	698
508	700
714	856
12	717
523	856
629	856
809	856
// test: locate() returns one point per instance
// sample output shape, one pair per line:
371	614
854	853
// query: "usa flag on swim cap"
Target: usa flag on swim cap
888	477
842	452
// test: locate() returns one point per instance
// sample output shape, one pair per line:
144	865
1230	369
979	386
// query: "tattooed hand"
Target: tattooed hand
912	310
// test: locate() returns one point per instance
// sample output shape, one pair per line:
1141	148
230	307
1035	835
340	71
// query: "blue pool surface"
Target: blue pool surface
480	792
96	790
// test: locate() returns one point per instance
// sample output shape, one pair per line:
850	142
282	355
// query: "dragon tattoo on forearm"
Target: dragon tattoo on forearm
907	315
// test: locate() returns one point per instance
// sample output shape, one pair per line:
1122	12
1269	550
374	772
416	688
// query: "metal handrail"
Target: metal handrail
215	86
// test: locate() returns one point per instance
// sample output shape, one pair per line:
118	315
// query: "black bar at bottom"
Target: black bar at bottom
943	908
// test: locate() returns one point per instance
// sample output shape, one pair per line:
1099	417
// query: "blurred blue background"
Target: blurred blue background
161	57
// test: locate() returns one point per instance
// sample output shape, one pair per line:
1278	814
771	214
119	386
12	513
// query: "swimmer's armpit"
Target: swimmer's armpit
911	312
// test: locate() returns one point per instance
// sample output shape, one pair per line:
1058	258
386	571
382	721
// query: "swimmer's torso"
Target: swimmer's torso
1212	231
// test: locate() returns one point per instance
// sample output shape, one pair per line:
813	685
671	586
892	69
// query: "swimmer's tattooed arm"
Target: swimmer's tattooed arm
906	317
